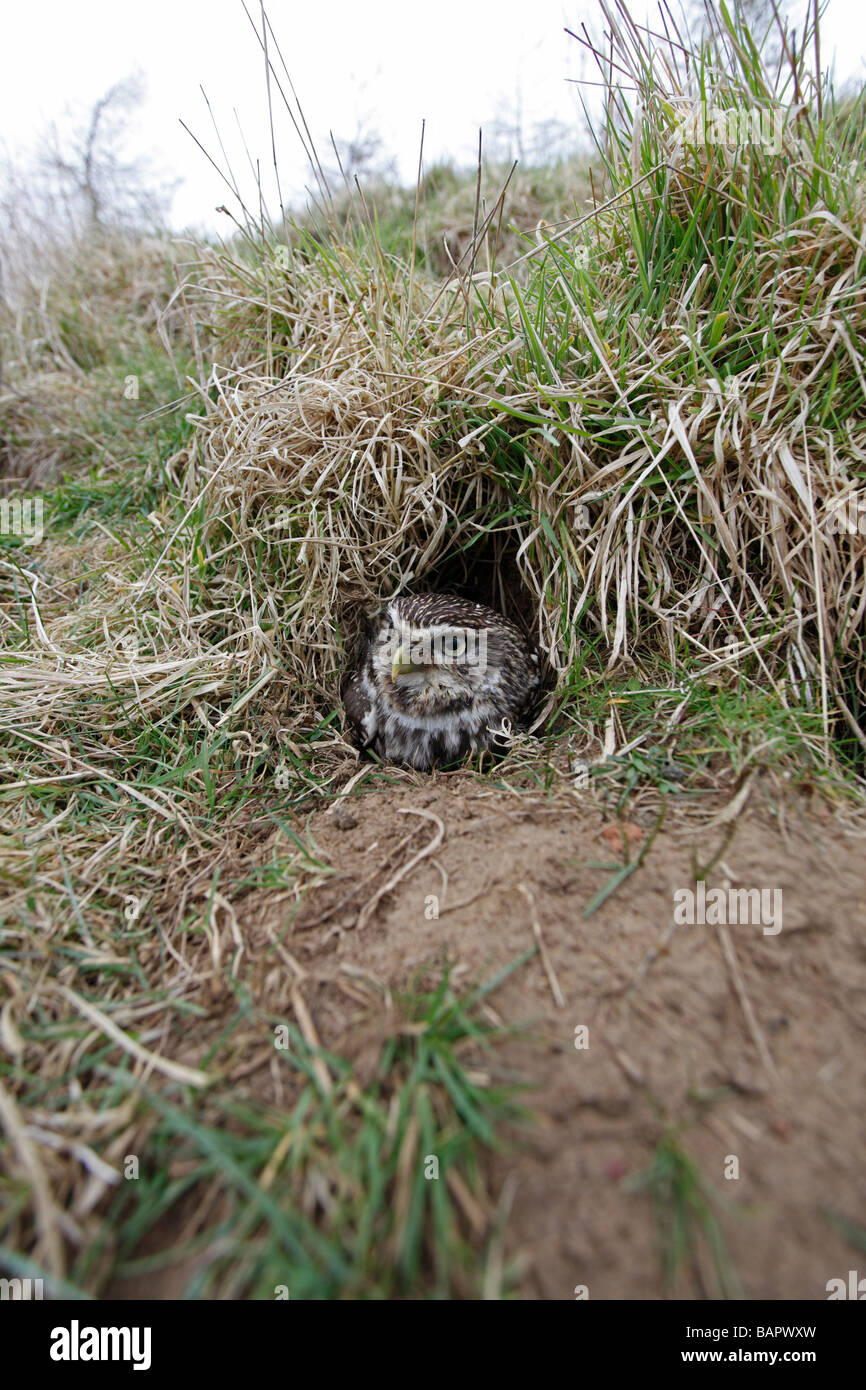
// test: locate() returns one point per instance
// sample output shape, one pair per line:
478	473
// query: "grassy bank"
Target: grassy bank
625	404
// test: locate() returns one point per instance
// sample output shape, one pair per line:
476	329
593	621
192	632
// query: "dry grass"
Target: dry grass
78	318
449	204
658	427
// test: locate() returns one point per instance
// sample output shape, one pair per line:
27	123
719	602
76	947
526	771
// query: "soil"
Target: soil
745	1042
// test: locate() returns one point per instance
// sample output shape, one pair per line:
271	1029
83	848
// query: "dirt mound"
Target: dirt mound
706	1043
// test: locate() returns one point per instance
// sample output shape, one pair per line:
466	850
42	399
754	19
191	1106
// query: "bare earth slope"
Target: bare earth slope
751	1042
742	1044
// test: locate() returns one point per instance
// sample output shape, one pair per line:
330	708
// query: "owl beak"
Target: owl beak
402	665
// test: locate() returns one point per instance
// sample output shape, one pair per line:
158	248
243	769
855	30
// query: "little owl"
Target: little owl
440	677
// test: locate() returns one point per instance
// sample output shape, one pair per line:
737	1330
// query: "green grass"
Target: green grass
684	1213
346	1194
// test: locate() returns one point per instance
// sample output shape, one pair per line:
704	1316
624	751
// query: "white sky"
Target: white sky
385	63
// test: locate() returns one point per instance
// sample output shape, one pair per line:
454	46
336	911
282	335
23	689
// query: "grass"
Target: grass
341	1195
617	411
685	1218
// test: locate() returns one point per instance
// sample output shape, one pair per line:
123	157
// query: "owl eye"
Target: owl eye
453	644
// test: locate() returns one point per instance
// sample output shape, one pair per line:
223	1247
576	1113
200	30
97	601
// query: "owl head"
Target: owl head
437	653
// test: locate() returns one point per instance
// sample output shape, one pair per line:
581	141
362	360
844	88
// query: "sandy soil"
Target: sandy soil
752	1040
749	1042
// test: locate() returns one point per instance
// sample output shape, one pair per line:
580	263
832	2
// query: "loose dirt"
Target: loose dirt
745	1043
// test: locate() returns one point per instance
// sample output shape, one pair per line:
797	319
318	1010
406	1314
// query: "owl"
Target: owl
440	677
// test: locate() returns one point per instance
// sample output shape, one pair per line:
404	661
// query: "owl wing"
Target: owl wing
360	712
